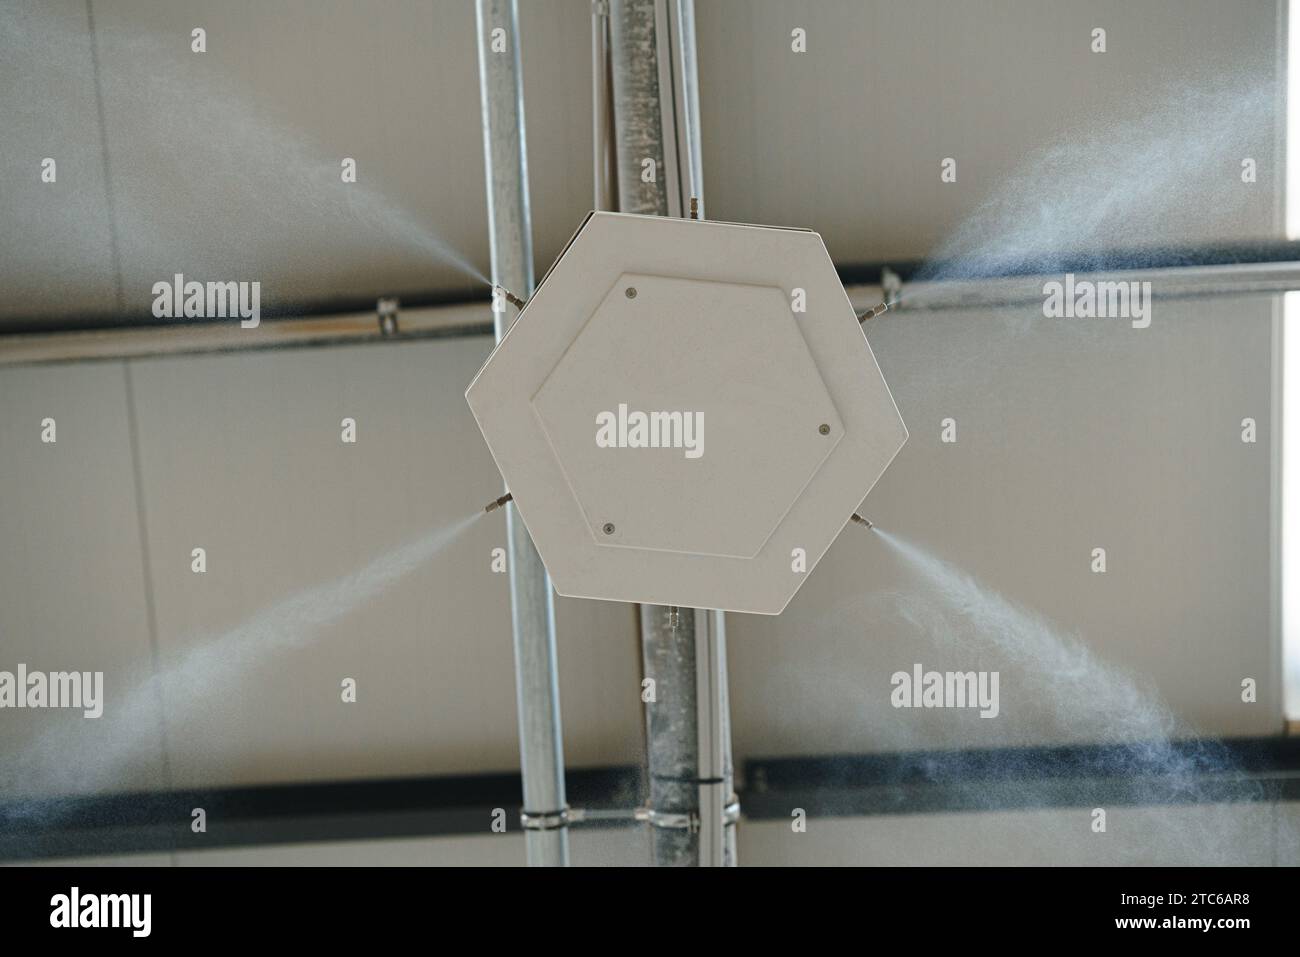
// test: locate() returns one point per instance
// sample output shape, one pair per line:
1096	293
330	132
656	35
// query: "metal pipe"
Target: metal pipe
713	733
602	103
638	128
532	611
692	780
1167	283
659	171
672	741
656	106
680	17
459	319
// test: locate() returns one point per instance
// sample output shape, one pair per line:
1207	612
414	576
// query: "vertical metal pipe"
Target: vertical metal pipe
602	110
672	742
659	170
505	156
686	102
713	734
639	143
688	735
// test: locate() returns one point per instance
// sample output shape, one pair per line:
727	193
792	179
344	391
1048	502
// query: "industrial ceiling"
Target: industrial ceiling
227	162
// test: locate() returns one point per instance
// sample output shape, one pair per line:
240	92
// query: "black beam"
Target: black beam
287	813
1143	773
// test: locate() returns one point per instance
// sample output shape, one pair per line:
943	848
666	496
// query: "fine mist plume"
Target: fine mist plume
165	110
1106	195
1124	183
1157	760
61	762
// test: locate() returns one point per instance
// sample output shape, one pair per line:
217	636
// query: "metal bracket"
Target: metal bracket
545	821
387	309
676	821
685	821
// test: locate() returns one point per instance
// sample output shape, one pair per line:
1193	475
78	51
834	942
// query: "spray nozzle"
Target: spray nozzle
492	506
864	522
873	312
510	297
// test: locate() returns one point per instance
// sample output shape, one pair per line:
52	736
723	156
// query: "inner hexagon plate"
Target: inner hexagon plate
729	355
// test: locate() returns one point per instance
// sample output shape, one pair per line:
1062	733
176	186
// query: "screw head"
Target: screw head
608	528
824	429
630	292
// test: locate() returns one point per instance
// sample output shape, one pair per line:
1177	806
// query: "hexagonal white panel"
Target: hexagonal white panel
670	429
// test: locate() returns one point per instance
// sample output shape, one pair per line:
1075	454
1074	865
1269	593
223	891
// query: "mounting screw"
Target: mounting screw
630	292
608	528
824	429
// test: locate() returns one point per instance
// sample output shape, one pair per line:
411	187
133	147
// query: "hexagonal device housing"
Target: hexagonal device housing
681	406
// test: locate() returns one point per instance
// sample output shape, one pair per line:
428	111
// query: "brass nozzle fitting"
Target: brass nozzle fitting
864	522
511	298
499	502
873	312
